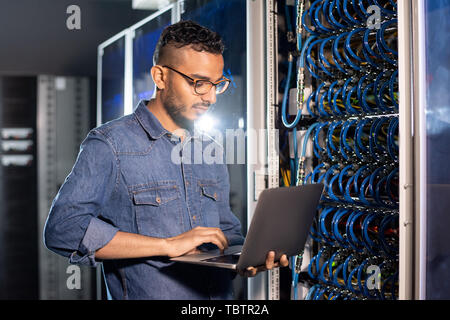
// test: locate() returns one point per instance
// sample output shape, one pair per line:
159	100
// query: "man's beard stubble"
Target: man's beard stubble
176	113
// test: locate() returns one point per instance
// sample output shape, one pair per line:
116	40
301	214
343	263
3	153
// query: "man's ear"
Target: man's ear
158	76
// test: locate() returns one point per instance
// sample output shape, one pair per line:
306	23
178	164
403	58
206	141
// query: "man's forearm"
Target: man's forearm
126	245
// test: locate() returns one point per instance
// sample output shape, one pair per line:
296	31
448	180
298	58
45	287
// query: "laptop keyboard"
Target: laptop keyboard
228	258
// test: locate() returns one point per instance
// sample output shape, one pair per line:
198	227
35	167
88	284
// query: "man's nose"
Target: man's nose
210	97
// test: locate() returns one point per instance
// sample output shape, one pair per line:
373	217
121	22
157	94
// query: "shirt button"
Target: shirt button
158	199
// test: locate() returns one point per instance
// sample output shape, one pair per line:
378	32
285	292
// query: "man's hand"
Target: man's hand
187	243
270	264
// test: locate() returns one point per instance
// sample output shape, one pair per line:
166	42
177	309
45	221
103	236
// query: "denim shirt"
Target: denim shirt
134	176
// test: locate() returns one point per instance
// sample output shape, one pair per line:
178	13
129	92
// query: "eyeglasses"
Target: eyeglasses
204	86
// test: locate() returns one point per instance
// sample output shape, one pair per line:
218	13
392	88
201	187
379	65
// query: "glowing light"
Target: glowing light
241	123
206	123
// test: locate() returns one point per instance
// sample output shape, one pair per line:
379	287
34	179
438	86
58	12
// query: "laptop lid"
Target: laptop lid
281	223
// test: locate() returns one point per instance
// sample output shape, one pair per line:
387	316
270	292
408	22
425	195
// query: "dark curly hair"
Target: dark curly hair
185	33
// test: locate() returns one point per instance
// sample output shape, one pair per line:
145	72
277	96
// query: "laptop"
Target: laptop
281	223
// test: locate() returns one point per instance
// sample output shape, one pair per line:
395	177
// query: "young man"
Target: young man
128	203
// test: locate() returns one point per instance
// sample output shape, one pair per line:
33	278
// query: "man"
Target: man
128	204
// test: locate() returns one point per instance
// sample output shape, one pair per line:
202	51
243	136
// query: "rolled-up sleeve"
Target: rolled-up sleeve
75	227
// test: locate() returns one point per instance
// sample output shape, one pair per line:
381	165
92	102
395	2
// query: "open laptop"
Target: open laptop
281	223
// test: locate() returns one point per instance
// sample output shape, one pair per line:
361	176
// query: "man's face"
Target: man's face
179	98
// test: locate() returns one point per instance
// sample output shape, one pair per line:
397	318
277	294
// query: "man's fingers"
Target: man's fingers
211	235
270	264
270	260
284	261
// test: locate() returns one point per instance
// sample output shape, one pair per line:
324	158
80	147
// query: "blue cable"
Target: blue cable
347	194
349	50
334	104
330	267
371	246
383	225
311	291
311	18
323	230
359	277
337	24
336	274
348	21
392	174
348	15
327	175
348	104
329	93
383	105
358	140
381	42
309	61
357	174
345	94
320	149
330	189
336	55
374	175
311	263
345	268
322	54
358	11
362	196
308	107
317	20
345	147
286	98
391	89
364	98
383	9
306	138
335	225
368	48
315	171
356	243
341	177
378	186
320	107
349	281
330	145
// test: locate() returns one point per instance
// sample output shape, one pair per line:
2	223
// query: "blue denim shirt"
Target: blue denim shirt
133	175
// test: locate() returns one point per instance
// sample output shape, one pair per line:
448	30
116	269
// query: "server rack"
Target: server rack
403	47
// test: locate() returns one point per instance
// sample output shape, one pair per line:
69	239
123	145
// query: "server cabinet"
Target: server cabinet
63	122
18	189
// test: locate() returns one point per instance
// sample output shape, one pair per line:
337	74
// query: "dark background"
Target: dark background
34	38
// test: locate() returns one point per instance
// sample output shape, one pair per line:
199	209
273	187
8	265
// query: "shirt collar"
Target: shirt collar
152	125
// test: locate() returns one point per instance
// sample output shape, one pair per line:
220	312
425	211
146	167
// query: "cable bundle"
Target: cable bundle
353	107
349	140
341	274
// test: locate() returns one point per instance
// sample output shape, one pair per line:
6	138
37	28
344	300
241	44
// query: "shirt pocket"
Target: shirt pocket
158	211
211	198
